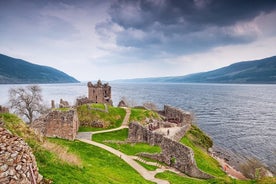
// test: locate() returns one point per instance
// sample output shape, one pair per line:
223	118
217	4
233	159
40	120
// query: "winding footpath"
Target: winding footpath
148	175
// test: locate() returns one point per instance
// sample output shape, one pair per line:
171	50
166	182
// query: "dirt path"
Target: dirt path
124	124
88	135
148	175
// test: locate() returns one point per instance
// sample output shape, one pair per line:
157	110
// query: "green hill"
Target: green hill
261	71
17	71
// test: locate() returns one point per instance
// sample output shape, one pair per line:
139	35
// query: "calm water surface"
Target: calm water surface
240	118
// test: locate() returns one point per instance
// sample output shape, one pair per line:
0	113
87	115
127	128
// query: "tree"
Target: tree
26	102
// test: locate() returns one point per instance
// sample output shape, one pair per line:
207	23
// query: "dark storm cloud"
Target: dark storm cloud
195	13
184	26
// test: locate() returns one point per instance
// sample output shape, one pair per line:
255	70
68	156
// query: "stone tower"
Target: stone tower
99	93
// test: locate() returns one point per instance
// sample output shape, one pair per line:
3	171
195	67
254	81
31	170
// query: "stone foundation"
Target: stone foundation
178	116
173	153
61	124
17	162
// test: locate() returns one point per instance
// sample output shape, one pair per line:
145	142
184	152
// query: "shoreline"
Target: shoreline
229	162
228	169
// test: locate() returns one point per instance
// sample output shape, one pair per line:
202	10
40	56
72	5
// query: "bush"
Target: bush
253	169
200	138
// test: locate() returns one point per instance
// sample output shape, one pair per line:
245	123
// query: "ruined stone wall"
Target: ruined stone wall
62	124
17	162
177	115
182	131
4	109
99	93
173	153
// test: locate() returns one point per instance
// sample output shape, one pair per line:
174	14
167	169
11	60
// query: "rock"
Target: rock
18	167
4	167
15	158
122	103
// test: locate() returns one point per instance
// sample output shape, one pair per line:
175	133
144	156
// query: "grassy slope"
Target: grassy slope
196	140
127	148
112	119
146	166
140	115
98	166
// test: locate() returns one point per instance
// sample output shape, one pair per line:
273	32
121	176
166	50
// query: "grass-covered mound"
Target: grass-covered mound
117	140
142	115
112	118
19	128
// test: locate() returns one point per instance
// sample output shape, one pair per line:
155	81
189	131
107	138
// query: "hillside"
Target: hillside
261	71
17	71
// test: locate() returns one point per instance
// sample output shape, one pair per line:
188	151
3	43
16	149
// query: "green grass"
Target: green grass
17	127
146	166
204	162
98	166
89	113
140	115
127	148
177	179
200	138
92	129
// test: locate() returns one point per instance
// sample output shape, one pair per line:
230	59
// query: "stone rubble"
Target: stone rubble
17	162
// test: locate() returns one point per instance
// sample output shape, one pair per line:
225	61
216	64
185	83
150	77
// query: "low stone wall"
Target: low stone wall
4	109
62	124
81	101
177	115
182	131
173	153
17	162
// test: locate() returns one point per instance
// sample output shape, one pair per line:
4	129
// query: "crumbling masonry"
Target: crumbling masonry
99	93
17	162
173	153
61	124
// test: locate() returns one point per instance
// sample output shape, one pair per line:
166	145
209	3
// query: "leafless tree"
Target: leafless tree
26	102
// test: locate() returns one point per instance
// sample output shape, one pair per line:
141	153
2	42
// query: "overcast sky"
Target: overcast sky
97	39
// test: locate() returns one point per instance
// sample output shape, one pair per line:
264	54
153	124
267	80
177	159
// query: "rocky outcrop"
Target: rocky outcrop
173	153
17	162
122	103
62	124
63	104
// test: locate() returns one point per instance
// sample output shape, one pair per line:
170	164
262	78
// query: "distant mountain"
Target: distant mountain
17	71
261	71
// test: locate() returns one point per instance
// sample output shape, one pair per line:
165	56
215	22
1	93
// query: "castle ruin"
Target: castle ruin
62	124
99	93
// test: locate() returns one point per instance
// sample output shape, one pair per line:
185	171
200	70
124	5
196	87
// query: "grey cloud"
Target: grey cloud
185	26
169	12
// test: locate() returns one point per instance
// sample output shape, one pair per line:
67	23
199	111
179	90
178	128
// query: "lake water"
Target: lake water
239	118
